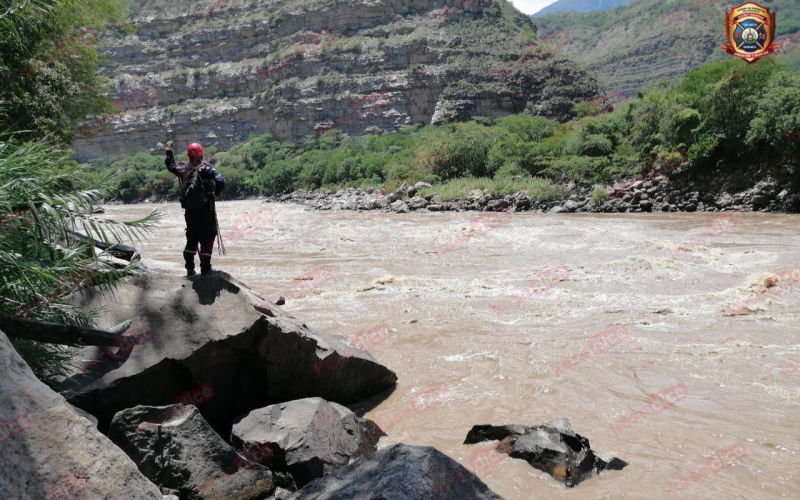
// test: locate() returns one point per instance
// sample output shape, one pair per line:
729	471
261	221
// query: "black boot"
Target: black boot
190	272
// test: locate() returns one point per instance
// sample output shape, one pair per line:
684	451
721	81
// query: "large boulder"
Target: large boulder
417	202
399	206
217	345
180	452
400	472
47	450
794	202
759	200
570	206
553	448
311	437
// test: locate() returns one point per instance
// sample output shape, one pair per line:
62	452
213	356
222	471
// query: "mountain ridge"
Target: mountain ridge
636	45
579	6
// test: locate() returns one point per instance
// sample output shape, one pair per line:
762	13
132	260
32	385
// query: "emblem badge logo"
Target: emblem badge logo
751	31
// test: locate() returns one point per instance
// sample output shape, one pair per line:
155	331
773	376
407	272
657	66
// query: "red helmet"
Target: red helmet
195	151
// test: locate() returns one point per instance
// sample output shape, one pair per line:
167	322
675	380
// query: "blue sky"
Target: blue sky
531	6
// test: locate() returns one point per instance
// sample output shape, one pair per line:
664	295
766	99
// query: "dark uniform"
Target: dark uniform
201	227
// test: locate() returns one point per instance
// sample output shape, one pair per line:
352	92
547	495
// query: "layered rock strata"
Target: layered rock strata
289	68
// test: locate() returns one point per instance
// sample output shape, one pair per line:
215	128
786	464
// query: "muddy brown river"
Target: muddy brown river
506	364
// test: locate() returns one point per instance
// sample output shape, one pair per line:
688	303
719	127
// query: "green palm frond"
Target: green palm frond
36	180
43	268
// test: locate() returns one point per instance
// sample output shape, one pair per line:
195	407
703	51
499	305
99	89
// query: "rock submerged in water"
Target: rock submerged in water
553	448
311	437
400	472
208	335
181	452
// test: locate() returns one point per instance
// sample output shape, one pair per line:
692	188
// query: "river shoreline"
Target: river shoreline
712	193
654	195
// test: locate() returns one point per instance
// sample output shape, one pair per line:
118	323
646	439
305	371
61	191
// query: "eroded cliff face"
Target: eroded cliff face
289	68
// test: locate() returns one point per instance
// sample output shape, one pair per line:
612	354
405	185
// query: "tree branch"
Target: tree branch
59	334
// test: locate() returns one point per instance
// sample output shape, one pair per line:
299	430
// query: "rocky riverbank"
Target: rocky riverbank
222	400
658	194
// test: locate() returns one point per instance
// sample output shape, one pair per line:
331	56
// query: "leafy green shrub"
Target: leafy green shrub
595	145
577	169
469	145
599	195
238	183
510	169
129	183
683	125
142	160
49	53
279	177
510	149
538	189
531	128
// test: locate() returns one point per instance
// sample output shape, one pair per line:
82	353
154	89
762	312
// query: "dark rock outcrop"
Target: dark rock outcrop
211	348
311	437
400	472
48	450
553	448
181	452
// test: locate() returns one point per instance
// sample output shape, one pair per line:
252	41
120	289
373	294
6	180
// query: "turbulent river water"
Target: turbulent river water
503	365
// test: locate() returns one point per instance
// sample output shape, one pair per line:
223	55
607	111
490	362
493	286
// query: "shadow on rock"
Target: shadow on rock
175	448
399	472
209	287
207	333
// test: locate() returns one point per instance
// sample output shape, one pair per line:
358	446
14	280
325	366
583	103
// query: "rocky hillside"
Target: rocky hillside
580	6
650	40
220	72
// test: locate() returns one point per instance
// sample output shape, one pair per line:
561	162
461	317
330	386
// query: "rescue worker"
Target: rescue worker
201	185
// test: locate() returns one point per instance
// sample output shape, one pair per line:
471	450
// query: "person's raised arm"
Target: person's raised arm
170	161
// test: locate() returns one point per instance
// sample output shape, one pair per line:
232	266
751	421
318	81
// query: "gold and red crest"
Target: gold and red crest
751	31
